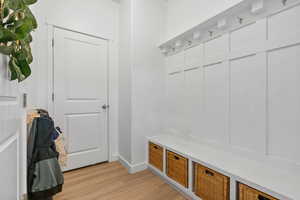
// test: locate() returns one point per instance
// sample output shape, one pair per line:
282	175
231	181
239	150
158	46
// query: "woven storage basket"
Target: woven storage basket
248	193
209	184
156	156
177	168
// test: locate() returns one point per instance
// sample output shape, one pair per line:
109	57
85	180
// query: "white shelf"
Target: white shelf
277	182
245	12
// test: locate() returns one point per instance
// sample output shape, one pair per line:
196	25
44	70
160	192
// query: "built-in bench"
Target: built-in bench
245	176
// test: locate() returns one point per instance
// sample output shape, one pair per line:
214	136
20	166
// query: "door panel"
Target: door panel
77	124
80	87
10	122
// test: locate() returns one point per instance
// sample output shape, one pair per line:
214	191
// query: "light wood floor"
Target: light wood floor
110	181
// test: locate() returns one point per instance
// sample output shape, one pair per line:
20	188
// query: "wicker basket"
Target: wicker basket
209	184
248	193
177	168
156	156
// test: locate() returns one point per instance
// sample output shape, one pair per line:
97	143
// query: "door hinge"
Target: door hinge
52	42
52	96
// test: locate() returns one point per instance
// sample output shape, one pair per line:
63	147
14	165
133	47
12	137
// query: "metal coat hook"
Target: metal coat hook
284	2
190	42
240	20
211	33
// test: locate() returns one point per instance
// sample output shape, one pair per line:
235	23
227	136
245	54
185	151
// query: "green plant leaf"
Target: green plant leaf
28	39
24	67
12	17
17	23
7	35
6	50
30	16
23	28
15	70
16	4
29	2
26	50
5	12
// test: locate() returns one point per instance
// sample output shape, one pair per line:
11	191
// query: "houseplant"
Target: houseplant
16	25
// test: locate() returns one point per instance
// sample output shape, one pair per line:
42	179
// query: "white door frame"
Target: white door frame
51	28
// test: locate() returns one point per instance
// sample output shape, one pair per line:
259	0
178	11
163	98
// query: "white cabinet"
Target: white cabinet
194	57
175	63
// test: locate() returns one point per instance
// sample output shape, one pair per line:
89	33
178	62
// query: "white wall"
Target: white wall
142	24
239	91
125	90
148	75
183	15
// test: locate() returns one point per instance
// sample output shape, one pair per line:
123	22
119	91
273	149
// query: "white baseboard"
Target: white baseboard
114	157
133	168
138	167
124	162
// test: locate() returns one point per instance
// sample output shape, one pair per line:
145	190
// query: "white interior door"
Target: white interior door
10	123
80	96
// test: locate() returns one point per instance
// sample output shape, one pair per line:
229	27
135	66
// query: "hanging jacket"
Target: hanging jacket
45	177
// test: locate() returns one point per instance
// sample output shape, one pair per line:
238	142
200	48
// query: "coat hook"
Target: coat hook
190	42
211	33
240	20
284	2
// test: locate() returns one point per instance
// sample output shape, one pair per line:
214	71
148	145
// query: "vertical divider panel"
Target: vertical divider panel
164	160
190	175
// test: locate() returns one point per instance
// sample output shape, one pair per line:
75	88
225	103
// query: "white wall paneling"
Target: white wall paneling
284	103
175	62
283	28
244	89
248	39
216	50
216	103
194	57
193	101
175	101
248	103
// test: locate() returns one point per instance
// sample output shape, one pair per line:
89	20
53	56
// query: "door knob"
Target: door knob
104	107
